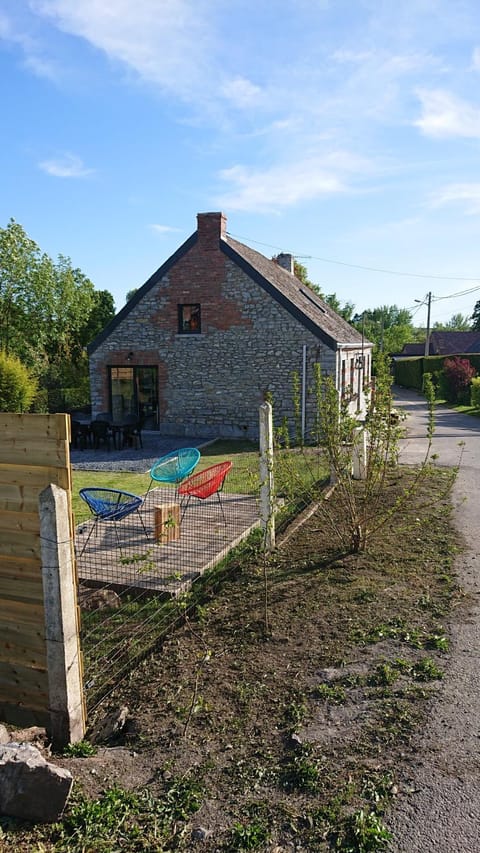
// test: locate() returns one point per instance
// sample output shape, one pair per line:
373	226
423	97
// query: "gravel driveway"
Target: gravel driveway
138	460
438	807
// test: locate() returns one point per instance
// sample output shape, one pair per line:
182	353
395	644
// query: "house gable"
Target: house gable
303	304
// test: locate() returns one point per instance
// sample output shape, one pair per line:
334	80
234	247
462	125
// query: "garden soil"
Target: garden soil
349	699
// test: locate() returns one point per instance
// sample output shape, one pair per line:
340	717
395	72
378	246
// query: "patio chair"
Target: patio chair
131	431
110	505
174	467
101	433
204	484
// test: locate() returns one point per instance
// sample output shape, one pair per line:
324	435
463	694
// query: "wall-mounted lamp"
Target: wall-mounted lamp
129	356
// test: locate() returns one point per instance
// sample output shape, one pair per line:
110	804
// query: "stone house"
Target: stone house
215	328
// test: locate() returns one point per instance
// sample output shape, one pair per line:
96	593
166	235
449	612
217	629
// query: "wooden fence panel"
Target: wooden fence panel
34	454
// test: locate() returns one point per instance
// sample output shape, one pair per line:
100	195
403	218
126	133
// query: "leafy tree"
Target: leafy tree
388	327
130	294
476	317
457	323
102	312
17	385
47	309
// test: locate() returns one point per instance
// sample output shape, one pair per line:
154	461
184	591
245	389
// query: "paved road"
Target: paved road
438	809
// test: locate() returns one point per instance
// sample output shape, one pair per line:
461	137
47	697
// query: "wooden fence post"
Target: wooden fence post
267	514
66	701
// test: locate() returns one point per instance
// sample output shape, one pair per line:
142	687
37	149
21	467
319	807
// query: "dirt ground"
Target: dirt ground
293	701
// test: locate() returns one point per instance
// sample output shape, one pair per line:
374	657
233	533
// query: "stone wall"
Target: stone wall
212	383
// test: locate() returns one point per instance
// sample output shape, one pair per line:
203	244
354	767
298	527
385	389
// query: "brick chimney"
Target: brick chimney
286	261
211	227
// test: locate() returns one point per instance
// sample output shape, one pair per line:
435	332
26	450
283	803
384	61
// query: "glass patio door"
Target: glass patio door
134	391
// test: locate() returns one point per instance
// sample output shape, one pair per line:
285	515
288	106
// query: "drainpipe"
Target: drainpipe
304	389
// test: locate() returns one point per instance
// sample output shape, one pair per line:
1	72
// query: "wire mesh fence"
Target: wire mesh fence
136	572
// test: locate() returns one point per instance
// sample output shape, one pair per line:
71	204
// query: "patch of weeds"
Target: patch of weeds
437	641
361	832
296	711
363	596
334	693
121	819
301	772
376	786
397	720
385	674
81	749
426	670
248	836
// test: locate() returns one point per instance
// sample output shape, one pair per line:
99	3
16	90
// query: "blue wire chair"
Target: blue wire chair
174	466
110	505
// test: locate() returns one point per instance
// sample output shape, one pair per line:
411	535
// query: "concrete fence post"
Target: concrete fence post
267	514
360	454
65	688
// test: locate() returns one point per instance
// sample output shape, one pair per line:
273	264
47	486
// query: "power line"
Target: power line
368	269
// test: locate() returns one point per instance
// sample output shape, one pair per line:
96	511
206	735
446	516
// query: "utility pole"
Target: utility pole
427	339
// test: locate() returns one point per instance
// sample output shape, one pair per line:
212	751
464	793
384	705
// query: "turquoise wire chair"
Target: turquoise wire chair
174	467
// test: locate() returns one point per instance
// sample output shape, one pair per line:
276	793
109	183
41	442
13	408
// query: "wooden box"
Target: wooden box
167	523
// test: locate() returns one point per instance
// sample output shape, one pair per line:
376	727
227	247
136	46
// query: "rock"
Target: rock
33	734
110	726
99	599
4	735
30	787
200	833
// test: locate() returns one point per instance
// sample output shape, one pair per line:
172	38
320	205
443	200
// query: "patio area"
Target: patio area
178	550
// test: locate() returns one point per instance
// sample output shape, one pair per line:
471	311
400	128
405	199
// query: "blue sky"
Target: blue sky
344	131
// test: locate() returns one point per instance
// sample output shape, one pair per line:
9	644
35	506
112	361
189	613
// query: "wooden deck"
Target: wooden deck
133	562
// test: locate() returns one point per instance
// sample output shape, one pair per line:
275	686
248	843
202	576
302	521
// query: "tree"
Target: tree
102	312
47	309
457	323
476	317
388	327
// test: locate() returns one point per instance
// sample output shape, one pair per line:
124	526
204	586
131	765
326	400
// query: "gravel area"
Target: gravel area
137	460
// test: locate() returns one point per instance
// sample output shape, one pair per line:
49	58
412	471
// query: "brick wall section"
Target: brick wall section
212	383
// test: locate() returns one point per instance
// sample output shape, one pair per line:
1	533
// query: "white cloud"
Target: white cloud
164	229
66	166
289	183
444	115
460	193
241	92
34	60
165	43
476	59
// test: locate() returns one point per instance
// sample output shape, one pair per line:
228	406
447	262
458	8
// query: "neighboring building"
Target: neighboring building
444	343
216	328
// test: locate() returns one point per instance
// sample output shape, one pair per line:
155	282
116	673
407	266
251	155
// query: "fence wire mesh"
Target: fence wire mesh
137	572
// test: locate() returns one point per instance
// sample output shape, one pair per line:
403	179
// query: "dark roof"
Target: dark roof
449	343
298	299
302	302
412	349
445	343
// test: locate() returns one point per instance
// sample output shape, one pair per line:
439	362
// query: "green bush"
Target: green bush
475	392
409	372
17	385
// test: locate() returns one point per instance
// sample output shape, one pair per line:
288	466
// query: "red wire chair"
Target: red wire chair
204	484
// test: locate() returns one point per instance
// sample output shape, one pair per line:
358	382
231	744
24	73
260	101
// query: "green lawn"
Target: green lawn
243	477
295	470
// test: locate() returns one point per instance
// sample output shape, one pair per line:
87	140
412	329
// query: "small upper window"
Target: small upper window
189	319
